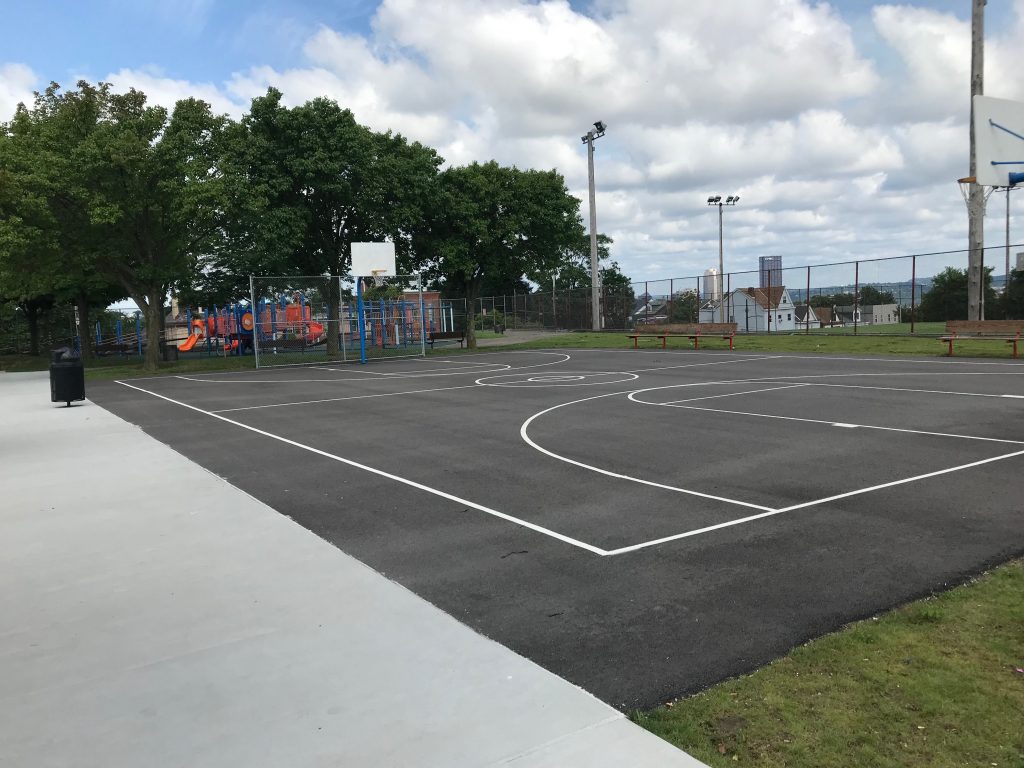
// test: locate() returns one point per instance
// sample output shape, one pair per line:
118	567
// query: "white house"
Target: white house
755	310
807	317
866	314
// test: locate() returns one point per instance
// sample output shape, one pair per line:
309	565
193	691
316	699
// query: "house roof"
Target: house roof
766	298
800	313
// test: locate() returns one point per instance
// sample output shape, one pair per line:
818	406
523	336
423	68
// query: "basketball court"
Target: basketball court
641	523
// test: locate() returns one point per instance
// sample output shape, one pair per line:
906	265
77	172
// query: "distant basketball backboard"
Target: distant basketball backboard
998	141
373	259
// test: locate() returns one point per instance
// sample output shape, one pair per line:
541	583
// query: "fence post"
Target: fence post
913	290
807	300
856	291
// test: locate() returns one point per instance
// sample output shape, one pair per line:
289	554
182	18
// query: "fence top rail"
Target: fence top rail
849	262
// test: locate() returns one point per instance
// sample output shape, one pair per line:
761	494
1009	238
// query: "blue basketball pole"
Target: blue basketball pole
362	320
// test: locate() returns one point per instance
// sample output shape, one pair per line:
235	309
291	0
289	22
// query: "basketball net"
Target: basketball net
965	191
378	276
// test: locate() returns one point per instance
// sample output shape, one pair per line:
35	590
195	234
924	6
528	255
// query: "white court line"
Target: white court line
339	399
830	423
739	521
729	394
504	368
523	433
381	473
905	389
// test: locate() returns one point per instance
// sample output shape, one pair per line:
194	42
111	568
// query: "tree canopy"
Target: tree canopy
103	195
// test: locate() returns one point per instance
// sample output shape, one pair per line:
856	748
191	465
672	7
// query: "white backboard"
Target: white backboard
368	258
998	140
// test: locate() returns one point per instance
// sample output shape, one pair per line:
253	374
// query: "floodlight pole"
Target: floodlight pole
717	200
976	195
595	274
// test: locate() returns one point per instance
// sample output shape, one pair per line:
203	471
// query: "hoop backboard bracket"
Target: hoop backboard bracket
373	260
998	141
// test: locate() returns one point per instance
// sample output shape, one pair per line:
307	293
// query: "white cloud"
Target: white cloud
834	154
17	83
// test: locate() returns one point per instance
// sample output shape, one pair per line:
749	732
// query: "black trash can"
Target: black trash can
168	352
67	376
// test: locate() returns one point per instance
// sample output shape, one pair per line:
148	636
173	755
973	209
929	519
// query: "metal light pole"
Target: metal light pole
717	200
1008	191
595	274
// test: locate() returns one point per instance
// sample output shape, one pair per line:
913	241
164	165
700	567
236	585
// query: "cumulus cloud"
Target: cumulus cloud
839	145
17	83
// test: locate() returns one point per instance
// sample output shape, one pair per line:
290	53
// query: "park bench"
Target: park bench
982	330
693	331
433	336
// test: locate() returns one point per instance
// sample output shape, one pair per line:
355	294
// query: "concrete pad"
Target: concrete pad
156	615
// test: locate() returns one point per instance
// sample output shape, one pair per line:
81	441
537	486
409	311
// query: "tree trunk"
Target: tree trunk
151	304
84	334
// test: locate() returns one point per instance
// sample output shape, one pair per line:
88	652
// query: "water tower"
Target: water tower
712	284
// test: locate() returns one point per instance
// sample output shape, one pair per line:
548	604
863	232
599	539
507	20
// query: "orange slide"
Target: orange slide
190	342
198	332
316	333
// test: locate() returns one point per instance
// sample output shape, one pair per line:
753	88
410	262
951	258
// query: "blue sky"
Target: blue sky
841	126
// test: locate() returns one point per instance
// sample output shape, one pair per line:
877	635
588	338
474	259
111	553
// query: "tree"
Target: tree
869	296
48	249
306	183
684	308
617	295
947	298
496	220
1013	299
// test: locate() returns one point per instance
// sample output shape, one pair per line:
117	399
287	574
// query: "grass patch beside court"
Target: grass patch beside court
936	683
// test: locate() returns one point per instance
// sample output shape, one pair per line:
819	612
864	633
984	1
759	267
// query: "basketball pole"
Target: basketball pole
976	195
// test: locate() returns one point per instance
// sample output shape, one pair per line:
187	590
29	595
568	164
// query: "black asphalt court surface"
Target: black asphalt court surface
642	523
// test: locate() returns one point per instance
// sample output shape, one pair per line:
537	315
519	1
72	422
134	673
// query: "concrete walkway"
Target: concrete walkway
154	615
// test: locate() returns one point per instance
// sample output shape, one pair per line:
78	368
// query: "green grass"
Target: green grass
834	341
122	368
935	329
935	683
824	343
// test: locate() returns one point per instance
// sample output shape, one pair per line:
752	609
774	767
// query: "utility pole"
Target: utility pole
595	273
976	195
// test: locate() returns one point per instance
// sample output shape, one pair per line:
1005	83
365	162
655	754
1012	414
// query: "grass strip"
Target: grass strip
938	682
824	341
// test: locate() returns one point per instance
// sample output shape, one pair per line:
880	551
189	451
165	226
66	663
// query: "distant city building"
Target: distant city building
1020	260
770	268
712	285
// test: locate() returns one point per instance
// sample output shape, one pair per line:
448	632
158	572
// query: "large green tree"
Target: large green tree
306	182
947	297
492	219
1013	298
48	246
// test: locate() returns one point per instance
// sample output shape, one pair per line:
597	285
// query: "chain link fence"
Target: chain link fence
324	319
886	295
